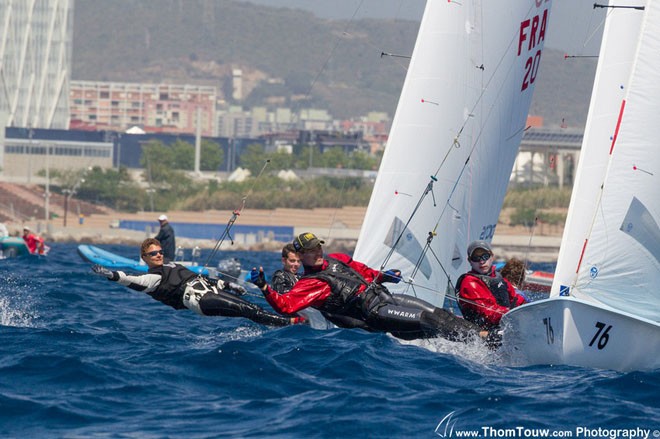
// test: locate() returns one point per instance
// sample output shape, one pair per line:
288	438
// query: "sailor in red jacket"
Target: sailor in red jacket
484	296
351	295
35	243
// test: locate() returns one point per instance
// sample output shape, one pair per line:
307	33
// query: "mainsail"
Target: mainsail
455	135
610	251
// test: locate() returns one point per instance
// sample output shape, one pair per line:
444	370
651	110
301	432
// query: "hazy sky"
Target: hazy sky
574	24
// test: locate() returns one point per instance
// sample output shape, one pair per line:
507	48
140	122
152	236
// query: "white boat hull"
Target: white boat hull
564	330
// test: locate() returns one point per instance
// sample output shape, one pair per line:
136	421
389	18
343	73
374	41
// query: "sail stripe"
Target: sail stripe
618	125
584	247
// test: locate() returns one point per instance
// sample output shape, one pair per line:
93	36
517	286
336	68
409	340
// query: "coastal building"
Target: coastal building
27	154
234	122
237	84
156	108
547	157
35	63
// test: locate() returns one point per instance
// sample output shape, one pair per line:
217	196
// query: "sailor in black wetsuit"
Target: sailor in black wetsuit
180	288
285	278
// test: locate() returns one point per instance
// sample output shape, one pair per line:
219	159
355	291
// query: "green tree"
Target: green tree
163	164
280	160
158	161
65	178
183	156
333	158
362	160
308	156
212	156
112	188
253	158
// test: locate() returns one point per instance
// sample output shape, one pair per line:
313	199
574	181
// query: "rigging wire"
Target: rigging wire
597	30
332	50
226	234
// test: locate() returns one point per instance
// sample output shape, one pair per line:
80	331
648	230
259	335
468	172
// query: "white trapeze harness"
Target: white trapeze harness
195	290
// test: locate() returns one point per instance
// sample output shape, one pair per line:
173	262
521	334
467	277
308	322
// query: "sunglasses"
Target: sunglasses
483	258
154	253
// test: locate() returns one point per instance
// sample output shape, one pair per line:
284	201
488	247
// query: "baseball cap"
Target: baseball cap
478	244
162	218
306	241
26	228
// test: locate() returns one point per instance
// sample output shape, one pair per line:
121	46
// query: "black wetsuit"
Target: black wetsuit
282	281
349	295
377	310
168	283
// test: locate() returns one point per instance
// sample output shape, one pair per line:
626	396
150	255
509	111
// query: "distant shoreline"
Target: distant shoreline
96	230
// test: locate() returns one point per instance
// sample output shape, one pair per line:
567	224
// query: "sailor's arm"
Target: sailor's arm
145	283
307	292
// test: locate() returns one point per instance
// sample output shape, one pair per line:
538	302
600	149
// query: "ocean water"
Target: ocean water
83	357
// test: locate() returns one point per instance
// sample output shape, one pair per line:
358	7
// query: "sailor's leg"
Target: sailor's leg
343	321
402	321
191	298
442	323
228	305
411	318
412	302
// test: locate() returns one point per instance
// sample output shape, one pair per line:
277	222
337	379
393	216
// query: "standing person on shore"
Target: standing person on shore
176	286
34	242
166	238
351	295
286	277
484	296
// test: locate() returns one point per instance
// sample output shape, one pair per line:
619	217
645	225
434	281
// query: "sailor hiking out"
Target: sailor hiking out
178	287
351	295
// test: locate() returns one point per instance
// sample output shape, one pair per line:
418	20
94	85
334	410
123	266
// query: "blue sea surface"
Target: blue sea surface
83	357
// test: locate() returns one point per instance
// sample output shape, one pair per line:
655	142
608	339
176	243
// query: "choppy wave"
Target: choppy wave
83	357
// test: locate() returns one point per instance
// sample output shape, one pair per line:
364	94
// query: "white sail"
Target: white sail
615	61
610	251
454	138
605	308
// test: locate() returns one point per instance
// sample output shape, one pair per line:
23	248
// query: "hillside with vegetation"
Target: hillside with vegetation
288	57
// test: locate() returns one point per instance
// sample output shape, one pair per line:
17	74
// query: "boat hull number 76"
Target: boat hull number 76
602	335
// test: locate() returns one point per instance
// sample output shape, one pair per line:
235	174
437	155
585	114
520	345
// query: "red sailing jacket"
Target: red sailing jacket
482	301
34	243
313	292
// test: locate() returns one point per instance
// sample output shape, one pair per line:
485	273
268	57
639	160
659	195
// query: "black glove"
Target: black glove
102	271
392	276
258	278
236	288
